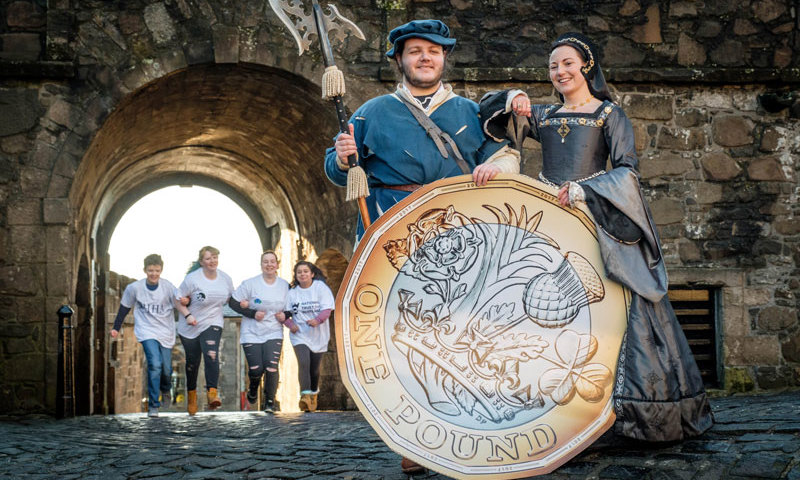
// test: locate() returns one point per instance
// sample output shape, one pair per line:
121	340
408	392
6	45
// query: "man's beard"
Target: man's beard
416	82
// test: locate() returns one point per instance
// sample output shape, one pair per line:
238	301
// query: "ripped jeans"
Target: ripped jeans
263	358
205	346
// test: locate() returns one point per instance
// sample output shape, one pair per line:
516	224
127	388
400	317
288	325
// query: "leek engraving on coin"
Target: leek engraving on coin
488	319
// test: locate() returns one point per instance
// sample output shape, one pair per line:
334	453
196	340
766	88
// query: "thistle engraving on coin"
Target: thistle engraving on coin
488	319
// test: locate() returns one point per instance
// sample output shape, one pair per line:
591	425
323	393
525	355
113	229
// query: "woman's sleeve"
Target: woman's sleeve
620	140
247	312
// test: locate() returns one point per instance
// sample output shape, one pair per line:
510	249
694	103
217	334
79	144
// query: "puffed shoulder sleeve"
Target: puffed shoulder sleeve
620	140
499	122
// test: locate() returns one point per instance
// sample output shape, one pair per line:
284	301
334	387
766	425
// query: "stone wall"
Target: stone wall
711	87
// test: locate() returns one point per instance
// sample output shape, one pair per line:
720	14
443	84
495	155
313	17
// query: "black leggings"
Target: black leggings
205	346
263	358
308	368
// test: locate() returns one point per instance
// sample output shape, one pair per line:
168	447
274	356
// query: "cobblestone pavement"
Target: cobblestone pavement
755	437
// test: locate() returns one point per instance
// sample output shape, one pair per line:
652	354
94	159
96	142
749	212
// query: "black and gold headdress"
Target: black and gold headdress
591	71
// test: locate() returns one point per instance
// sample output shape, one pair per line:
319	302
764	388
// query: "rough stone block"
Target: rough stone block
752	350
63	113
766	169
620	52
782	57
690	52
24	367
719	166
27	244
666	211
689	252
58	279
682	138
777	318
742	26
787	226
709	29
690	117
728	53
226	44
770	378
25	15
772	139
791	348
732	130
159	23
30	309
597	23
20	110
59	244
650	31
66	165
648	107
15	144
24	211
56	211
130	23
709	193
682	9
59	186
738	380
756	297
33	182
768	10
666	164
43	156
629	8
20	46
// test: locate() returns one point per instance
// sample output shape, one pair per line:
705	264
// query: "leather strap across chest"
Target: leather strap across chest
444	142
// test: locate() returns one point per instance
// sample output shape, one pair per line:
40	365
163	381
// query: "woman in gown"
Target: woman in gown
658	392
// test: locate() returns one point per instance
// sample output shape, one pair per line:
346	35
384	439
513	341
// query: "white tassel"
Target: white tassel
332	83
357	185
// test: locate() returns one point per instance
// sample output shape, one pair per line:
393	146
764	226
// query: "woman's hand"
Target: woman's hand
563	195
190	320
259	315
184	301
114	333
244	304
483	173
313	322
345	146
280	317
521	105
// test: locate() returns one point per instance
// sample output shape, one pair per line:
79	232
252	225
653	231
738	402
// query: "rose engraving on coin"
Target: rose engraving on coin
478	333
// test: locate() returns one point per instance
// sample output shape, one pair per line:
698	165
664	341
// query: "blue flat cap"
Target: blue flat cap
432	30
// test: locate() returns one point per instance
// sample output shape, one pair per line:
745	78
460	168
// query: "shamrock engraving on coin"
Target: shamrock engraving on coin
477	331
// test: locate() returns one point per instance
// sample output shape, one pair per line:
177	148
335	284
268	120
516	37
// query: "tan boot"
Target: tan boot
191	402
213	399
313	406
305	402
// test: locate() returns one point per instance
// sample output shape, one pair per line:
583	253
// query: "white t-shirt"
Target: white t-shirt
305	304
207	299
152	311
262	297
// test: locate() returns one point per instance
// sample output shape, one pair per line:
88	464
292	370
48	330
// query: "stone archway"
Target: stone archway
254	133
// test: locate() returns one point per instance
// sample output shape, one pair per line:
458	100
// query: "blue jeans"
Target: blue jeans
159	370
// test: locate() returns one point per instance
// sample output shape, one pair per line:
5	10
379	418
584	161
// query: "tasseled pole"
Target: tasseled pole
332	83
357	186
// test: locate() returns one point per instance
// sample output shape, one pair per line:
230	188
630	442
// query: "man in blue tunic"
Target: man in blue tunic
395	149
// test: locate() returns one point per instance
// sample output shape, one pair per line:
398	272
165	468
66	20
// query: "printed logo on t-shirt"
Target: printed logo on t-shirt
154	308
200	296
295	308
258	301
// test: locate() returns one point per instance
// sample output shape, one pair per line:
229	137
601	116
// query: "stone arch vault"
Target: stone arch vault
254	133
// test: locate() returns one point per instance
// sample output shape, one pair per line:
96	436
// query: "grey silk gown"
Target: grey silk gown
658	391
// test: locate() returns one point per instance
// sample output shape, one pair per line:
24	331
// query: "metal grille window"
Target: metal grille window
696	309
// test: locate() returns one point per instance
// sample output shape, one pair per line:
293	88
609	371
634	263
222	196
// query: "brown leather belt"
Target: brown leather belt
405	188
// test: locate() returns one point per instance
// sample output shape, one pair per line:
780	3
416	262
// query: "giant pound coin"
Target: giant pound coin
477	331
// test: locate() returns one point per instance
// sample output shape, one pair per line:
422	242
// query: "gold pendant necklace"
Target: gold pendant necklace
573	107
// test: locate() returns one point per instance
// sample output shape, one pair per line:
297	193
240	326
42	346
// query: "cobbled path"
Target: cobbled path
754	437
